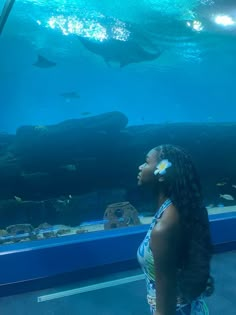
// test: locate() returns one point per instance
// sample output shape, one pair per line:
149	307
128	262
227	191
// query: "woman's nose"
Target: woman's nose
140	167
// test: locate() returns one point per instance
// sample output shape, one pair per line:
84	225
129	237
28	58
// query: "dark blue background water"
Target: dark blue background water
193	80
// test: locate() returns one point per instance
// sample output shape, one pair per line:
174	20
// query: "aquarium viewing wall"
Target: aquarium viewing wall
69	178
87	88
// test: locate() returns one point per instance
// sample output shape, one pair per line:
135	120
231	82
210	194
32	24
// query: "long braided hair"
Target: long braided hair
183	187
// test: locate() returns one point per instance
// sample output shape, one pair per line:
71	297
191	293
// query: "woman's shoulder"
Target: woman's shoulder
169	221
168	227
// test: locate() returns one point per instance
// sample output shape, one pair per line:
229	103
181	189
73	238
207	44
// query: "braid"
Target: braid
183	183
183	187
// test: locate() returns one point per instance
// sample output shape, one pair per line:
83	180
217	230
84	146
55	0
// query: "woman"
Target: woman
176	252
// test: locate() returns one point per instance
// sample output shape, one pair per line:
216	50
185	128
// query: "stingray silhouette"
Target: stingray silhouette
42	62
121	52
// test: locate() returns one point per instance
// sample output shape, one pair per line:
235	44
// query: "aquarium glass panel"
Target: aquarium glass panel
87	88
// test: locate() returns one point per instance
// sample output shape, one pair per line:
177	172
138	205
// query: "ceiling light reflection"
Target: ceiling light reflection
224	20
90	28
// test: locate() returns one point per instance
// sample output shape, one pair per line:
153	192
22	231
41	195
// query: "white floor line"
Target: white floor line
89	288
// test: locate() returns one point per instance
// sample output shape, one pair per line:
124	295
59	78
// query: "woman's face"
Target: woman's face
146	170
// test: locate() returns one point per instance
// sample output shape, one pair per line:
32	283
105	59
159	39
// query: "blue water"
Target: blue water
192	80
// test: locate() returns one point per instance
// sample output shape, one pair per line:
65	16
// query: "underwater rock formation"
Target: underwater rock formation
77	157
25	232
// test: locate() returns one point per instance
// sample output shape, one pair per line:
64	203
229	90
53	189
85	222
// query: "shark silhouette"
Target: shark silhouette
121	52
42	62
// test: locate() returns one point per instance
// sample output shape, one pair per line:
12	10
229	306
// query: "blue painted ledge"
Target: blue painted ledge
89	254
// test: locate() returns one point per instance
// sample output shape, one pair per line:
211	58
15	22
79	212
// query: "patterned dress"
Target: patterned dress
146	260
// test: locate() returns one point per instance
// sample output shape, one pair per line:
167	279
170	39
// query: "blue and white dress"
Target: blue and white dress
146	260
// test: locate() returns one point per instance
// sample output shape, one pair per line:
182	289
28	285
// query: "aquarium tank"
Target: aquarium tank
88	87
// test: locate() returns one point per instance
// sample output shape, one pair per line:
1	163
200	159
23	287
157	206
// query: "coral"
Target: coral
19	229
42	226
3	233
64	231
81	231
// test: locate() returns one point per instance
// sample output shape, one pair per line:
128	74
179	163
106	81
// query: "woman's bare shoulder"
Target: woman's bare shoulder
167	230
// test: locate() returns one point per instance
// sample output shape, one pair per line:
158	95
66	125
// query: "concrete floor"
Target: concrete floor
124	299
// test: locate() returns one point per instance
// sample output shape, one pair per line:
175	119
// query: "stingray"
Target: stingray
121	52
42	62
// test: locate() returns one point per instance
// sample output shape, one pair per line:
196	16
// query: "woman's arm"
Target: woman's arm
165	245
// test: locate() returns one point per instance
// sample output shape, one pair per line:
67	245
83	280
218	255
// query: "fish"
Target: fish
70	95
69	167
227	197
221	184
63	202
234	186
18	199
33	175
121	52
42	62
